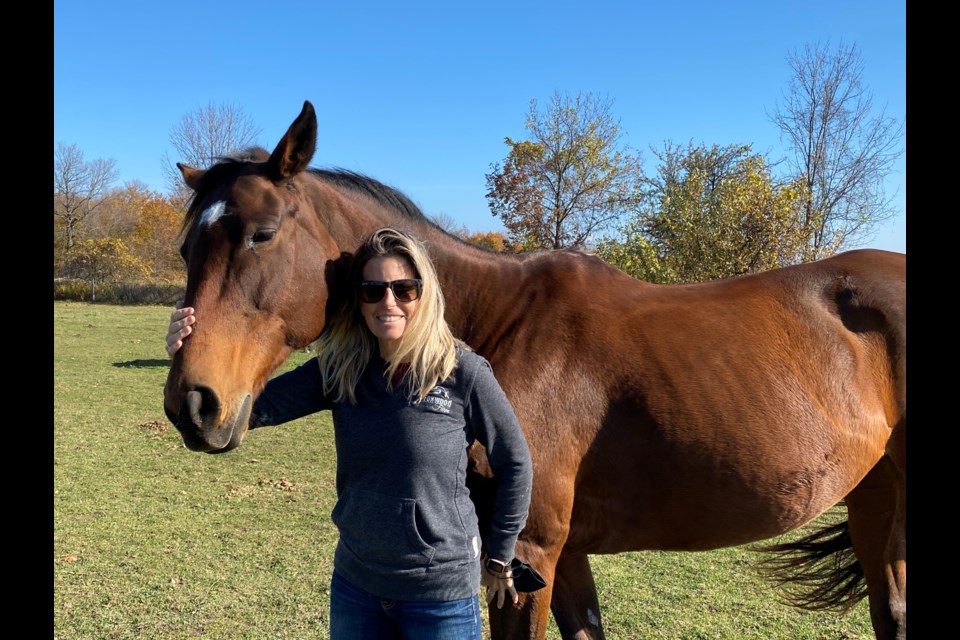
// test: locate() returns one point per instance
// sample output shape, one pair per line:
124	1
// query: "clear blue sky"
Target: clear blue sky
420	95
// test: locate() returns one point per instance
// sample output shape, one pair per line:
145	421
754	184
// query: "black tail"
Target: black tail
817	572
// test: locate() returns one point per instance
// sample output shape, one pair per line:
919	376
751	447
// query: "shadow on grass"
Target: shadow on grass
142	363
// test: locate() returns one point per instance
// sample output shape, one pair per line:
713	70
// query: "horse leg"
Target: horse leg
526	620
541	547
877	512
570	594
575	606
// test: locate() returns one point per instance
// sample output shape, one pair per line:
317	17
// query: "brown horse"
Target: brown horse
664	417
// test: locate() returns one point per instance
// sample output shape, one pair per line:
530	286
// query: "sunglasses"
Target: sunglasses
406	290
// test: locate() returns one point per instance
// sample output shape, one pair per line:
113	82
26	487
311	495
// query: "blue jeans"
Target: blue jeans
358	615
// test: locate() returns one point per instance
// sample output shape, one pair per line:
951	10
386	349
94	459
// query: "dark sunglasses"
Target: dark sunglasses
406	290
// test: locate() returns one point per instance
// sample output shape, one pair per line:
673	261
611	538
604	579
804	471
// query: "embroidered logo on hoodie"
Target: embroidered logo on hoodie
438	400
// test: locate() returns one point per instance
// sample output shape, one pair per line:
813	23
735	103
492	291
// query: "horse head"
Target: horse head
248	268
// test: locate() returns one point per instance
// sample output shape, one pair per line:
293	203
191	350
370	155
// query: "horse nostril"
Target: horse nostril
202	403
194	405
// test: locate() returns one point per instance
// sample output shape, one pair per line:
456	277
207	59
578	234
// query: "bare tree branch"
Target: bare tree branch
838	148
79	187
203	137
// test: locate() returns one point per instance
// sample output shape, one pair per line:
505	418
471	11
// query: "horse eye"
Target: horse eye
265	235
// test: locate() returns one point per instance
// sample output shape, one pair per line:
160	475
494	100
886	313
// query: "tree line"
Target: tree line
706	212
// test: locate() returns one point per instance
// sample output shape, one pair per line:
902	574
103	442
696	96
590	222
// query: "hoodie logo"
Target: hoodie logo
438	400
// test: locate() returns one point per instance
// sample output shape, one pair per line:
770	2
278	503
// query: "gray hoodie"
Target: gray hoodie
408	529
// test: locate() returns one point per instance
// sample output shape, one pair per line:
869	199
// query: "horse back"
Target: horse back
775	391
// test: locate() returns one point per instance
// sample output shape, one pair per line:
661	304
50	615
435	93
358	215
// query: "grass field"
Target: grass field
154	541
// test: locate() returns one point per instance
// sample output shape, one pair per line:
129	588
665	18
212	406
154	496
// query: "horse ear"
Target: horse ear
191	176
295	150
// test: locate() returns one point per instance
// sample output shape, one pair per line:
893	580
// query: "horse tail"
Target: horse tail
817	572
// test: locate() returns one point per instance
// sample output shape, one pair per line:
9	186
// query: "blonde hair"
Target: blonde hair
346	344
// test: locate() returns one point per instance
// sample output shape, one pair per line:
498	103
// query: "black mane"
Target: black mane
387	196
340	178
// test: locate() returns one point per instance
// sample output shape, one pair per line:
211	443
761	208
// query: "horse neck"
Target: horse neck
477	286
474	281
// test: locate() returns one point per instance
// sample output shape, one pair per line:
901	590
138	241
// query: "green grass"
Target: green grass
154	541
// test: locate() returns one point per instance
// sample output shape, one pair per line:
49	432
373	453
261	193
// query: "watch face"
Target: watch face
495	567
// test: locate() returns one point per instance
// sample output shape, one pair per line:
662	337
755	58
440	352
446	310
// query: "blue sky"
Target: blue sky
421	95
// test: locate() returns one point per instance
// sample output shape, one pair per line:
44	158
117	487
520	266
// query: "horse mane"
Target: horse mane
390	198
339	178
379	192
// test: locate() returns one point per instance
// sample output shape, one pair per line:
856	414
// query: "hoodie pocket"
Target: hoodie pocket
381	529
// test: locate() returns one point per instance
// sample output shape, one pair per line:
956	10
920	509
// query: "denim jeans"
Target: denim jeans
358	615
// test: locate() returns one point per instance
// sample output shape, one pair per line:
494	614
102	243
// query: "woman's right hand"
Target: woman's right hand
180	327
499	587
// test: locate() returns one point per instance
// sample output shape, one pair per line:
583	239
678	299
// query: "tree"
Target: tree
148	224
840	151
449	224
711	212
204	136
571	180
59	245
78	187
154	241
103	260
117	216
492	240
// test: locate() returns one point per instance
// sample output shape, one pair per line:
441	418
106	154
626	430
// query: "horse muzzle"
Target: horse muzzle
203	424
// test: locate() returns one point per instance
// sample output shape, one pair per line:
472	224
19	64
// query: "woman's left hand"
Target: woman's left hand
498	586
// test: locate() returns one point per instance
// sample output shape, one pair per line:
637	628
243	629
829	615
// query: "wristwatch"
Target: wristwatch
496	567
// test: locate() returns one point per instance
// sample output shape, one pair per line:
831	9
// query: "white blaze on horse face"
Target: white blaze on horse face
212	213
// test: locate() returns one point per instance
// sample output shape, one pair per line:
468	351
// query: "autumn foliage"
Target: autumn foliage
131	236
710	212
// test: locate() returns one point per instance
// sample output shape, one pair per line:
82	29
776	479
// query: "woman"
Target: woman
407	400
